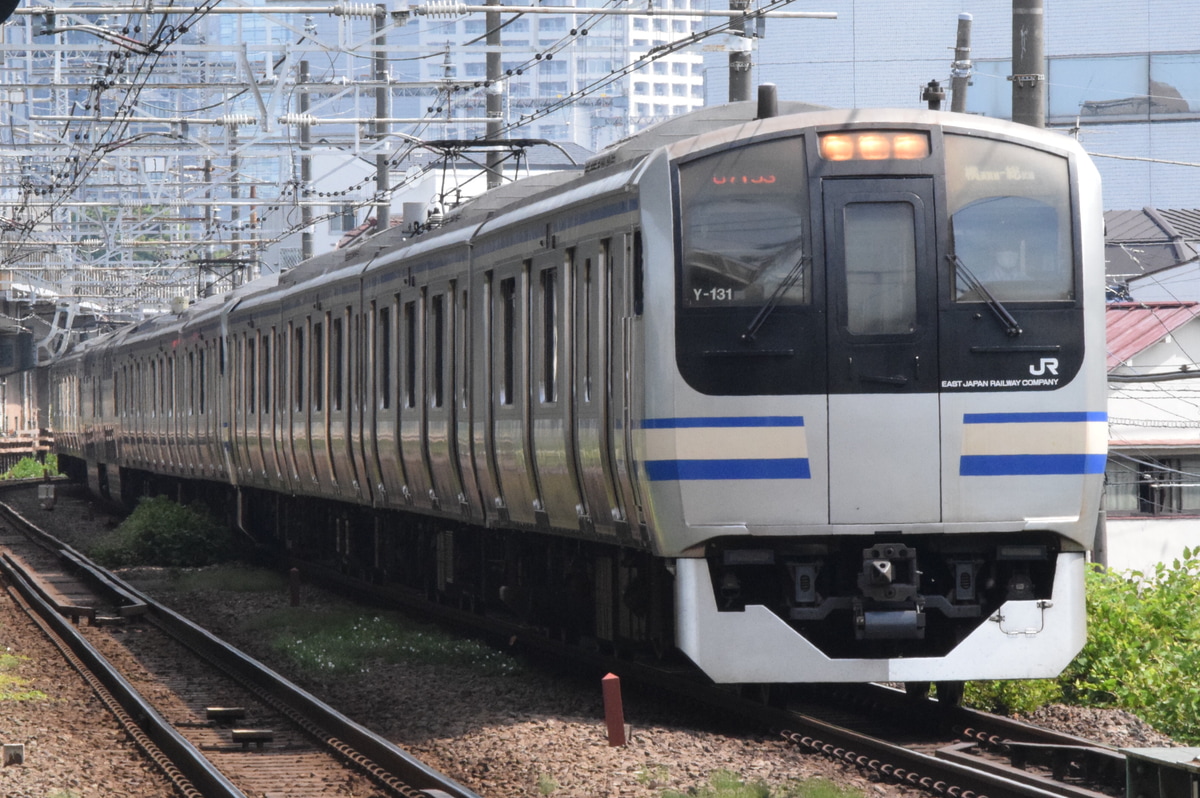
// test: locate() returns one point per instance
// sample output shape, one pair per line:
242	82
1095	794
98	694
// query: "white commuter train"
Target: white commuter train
815	397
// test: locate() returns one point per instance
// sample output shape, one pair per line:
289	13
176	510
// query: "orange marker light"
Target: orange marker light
837	148
874	147
910	146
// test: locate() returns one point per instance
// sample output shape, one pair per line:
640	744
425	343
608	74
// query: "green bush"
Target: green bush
1143	648
1142	652
32	468
161	532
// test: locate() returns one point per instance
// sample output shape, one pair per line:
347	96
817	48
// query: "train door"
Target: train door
440	373
884	442
412	404
463	453
359	388
552	401
510	395
624	304
592	460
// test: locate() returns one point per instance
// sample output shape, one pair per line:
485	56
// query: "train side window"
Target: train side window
383	357
318	367
190	387
639	279
267	376
298	365
881	268
548	281
337	360
202	383
437	326
462	340
410	354
251	378
588	341
508	336
744	227
1010	221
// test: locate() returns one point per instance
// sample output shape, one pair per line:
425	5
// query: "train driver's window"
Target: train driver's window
744	219
1010	222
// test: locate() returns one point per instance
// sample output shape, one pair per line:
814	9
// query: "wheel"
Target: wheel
917	691
950	693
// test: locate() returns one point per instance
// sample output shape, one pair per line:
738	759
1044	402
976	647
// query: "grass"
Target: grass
727	784
13	687
331	642
230	578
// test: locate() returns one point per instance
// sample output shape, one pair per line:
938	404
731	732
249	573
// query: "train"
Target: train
805	394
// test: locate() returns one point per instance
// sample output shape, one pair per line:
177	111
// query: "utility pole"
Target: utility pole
960	70
1028	63
383	210
493	93
739	54
306	214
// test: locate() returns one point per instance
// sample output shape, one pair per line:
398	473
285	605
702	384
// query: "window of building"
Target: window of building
343	220
1146	485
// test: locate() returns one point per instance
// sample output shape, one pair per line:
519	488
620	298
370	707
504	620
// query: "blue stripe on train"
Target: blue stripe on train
1001	465
723	422
671	470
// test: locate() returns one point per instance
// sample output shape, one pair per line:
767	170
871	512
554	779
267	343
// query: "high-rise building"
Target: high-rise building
566	77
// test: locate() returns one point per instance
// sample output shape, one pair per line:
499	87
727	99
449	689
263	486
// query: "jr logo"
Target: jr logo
1048	364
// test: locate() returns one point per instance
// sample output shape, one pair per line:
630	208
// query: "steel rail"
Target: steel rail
379	758
178	759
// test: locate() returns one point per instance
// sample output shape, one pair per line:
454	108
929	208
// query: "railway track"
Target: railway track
217	723
944	751
919	743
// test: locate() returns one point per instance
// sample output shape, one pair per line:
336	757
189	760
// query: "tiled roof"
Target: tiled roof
1131	327
1142	242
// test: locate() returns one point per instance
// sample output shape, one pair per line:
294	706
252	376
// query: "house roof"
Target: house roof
1142	242
1132	327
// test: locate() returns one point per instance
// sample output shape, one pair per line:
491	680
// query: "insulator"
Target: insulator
229	120
441	8
302	120
356	10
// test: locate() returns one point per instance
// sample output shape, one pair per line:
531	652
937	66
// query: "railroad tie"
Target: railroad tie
256	736
225	713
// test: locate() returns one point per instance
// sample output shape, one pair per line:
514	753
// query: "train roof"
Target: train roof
686	126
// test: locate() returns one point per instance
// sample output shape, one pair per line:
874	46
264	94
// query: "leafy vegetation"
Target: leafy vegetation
32	468
334	641
1142	652
727	784
161	532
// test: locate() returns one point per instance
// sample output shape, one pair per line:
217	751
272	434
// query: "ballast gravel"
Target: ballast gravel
504	736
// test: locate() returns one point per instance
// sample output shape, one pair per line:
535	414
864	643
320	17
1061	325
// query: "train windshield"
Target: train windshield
1010	221
744	227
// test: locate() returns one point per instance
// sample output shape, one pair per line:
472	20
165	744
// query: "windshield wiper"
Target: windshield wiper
773	300
1011	326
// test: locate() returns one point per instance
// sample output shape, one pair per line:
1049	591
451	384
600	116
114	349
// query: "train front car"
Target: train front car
880	453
